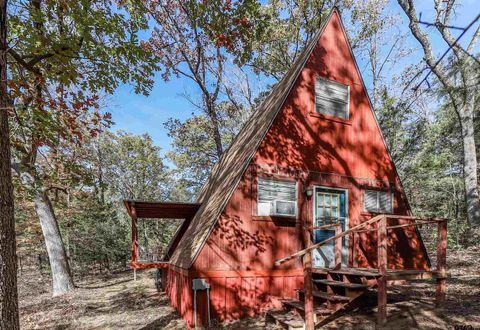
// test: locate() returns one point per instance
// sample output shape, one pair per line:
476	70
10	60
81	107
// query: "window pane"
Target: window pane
385	202
370	200
320	212
327	200
331	98
334	212
378	201
332	90
333	109
269	189
327	212
320	199
335	200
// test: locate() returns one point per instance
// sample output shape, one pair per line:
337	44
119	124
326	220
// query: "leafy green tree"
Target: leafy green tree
132	167
458	79
433	174
402	128
95	233
94	221
194	152
191	39
292	24
375	36
424	147
61	55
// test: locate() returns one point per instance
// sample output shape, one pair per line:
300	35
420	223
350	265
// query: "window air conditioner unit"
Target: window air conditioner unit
283	208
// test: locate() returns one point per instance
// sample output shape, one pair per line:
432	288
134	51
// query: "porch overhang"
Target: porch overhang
159	210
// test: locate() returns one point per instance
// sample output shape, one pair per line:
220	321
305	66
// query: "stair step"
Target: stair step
331	297
291	320
354	272
342	284
297	304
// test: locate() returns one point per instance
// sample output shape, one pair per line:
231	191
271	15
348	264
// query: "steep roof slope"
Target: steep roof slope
228	171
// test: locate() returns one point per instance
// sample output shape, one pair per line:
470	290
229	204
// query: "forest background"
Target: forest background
85	136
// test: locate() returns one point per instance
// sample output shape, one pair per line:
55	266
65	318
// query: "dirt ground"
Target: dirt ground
101	302
117	302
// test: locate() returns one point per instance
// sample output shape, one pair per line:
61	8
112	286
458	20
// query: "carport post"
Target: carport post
134	239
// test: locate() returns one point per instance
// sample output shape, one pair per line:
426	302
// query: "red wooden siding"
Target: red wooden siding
352	150
233	297
301	139
179	289
315	151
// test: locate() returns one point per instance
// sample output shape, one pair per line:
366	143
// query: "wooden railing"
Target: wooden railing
382	257
337	236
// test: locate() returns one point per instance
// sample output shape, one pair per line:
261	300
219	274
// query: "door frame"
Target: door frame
347	219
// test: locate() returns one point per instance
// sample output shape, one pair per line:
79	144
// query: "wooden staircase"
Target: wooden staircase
328	291
333	291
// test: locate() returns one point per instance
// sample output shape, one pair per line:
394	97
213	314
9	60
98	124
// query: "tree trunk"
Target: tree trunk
216	129
8	258
470	165
61	277
455	91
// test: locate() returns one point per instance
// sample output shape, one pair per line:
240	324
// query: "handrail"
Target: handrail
409	217
317	245
355	230
415	223
311	228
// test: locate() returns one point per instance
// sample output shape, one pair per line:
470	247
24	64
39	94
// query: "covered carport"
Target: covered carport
159	211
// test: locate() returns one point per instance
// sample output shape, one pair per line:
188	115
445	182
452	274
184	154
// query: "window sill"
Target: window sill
330	118
275	218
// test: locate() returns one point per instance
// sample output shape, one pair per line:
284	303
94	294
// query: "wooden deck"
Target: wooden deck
146	264
392	274
354	282
335	289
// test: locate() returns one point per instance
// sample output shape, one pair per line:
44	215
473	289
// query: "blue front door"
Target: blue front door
329	208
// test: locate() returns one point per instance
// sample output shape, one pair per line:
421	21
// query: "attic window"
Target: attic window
378	201
331	98
276	197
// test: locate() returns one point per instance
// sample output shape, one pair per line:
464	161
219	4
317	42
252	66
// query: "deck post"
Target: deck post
354	250
441	262
134	239
308	287
382	271
308	283
338	247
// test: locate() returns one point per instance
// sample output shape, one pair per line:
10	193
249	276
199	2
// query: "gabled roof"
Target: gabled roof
228	171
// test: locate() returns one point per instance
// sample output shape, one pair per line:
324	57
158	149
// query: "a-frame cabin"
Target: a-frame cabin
310	163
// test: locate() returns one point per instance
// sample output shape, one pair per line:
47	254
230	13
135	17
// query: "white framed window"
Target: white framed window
276	197
378	201
332	98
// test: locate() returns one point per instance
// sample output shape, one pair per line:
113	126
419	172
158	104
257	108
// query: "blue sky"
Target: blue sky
139	114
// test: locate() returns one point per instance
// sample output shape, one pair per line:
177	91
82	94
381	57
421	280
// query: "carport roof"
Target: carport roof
167	210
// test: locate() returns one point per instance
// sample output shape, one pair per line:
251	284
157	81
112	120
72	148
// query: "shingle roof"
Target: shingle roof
228	171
